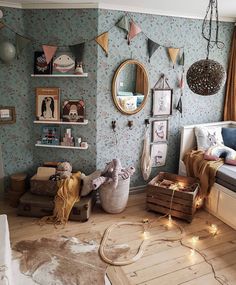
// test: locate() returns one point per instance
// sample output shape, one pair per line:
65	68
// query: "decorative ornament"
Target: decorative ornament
206	77
134	30
173	53
102	40
79	69
78	51
49	52
7	52
21	43
123	23
152	47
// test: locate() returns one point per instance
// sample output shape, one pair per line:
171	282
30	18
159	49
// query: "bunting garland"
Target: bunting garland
102	40
125	23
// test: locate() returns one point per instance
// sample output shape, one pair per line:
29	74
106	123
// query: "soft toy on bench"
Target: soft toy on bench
221	151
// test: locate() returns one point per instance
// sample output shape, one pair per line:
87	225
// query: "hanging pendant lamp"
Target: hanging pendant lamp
206	77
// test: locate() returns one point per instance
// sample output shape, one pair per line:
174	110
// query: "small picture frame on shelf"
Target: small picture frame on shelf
50	135
40	64
162	102
73	111
158	154
7	115
64	63
48	104
160	130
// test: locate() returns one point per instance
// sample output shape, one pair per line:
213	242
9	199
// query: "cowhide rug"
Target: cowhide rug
64	261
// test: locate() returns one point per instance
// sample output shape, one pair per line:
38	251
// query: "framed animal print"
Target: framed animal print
63	63
160	131
48	104
40	64
162	102
158	154
73	111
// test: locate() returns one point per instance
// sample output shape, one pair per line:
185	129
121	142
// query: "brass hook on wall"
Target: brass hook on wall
113	125
130	124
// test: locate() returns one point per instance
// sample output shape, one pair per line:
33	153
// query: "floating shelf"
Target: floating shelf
60	75
85	122
61	146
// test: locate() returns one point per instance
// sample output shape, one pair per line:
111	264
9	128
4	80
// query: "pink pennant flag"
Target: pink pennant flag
181	82
134	30
49	52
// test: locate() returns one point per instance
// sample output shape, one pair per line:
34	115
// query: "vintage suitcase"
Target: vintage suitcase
39	206
43	187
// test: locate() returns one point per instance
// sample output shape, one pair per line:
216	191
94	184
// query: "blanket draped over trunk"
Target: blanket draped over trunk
67	196
204	170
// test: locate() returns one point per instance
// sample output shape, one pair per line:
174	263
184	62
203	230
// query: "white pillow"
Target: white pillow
207	137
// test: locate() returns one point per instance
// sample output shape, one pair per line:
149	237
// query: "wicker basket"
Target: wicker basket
112	200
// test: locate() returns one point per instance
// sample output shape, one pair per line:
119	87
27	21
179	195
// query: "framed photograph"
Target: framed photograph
50	135
48	104
7	115
160	131
162	102
73	111
64	63
158	154
40	64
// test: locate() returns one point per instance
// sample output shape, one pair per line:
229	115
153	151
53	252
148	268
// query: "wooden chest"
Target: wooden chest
180	201
39	206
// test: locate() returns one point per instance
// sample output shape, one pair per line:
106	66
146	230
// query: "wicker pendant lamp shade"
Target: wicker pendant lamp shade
206	77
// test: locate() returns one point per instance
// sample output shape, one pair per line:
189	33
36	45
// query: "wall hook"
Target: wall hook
113	125
130	124
146	122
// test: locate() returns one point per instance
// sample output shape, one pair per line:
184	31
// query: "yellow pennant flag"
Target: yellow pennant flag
173	53
102	40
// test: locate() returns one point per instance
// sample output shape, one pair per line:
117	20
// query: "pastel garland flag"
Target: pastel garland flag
78	51
123	23
102	40
173	53
49	52
152	47
134	30
21	43
182	59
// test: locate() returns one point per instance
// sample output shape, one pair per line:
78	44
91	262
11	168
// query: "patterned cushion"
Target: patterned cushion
220	151
207	137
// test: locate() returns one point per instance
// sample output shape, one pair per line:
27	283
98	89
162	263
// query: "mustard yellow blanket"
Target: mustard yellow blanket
67	196
204	170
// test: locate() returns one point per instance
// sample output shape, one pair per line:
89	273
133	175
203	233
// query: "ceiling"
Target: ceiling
180	8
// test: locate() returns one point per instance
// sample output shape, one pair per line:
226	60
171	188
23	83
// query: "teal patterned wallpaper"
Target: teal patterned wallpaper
73	26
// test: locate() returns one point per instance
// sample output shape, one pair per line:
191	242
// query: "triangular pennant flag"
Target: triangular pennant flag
134	30
173	53
49	52
181	82
182	59
123	23
21	43
1	25
179	106
152	47
102	40
78	51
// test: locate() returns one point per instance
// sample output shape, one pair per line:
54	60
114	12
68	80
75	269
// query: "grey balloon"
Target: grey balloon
7	52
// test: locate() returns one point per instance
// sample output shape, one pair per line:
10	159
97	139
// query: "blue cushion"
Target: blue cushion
229	137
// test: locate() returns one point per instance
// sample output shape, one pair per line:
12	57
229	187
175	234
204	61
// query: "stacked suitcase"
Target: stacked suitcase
39	201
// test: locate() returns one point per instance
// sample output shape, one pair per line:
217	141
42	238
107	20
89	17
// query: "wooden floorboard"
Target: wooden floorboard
163	262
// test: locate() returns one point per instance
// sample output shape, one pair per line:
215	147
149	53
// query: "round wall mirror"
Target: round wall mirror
130	87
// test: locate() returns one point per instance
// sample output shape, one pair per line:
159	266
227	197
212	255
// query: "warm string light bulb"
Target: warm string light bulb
146	235
213	229
199	202
169	221
192	252
195	239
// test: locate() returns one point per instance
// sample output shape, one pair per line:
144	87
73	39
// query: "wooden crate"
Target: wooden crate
183	202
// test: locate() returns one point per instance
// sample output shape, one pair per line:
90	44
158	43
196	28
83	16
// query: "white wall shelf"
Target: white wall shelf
60	75
61	146
85	122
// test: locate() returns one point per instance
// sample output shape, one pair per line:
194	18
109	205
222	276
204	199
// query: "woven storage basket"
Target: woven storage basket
113	200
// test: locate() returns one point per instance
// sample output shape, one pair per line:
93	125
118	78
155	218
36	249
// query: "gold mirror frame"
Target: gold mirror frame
114	90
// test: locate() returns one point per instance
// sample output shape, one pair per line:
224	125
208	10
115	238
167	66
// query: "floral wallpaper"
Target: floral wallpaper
72	26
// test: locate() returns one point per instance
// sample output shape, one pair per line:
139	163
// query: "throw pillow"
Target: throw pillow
207	137
220	151
229	137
